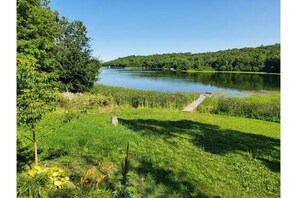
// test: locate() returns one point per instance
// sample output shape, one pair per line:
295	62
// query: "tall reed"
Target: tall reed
141	98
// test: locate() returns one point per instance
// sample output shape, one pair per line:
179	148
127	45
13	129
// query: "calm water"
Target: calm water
229	84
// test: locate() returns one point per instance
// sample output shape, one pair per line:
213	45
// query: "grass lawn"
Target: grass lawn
172	153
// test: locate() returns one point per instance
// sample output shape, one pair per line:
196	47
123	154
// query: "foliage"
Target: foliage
24	153
41	39
173	153
78	70
35	187
56	176
139	98
36	33
36	65
60	48
263	107
38	181
39	44
263	58
53	182
35	94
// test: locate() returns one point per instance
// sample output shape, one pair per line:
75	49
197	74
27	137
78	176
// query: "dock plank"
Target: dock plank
191	107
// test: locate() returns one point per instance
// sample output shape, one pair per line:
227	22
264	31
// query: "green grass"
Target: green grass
140	98
259	106
173	154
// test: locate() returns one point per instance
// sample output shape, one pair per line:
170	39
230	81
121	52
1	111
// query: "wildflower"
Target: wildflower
57	184
99	179
91	171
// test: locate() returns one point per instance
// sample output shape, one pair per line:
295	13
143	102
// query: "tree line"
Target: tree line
258	59
53	55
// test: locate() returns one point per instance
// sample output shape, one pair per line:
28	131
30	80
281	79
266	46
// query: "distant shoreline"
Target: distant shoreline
196	71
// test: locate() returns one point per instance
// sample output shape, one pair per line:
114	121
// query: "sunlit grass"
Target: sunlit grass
258	106
172	153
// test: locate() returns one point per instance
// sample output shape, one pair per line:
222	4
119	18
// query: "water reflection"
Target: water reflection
230	83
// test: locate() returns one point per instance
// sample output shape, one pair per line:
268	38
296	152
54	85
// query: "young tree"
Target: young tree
36	65
35	95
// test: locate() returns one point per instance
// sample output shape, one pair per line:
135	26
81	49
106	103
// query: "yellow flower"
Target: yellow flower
57	183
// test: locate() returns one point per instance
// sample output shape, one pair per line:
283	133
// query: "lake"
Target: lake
228	84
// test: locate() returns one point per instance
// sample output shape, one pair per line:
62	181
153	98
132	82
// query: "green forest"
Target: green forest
259	59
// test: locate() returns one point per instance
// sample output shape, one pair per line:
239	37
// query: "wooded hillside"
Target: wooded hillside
259	59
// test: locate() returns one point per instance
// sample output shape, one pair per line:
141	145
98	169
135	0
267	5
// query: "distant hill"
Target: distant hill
258	59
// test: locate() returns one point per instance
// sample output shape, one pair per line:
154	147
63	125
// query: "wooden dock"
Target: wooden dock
191	107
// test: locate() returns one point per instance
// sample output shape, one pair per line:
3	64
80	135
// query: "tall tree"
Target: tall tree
78	69
36	65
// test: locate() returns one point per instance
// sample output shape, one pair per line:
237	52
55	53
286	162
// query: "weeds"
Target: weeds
83	102
145	99
262	107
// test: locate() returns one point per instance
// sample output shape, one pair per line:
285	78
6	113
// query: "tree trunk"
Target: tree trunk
35	145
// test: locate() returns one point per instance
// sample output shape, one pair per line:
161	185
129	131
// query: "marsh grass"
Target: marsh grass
145	99
263	107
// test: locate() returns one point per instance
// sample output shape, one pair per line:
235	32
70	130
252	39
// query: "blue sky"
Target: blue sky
140	27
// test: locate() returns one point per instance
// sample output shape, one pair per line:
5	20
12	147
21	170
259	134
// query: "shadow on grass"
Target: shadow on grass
212	138
53	153
180	188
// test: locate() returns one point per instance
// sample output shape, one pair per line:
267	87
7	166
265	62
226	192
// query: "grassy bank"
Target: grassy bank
263	107
172	154
235	72
258	106
208	153
140	98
